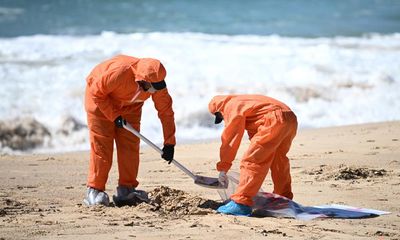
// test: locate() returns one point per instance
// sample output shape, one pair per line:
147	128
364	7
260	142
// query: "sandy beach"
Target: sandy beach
41	195
335	64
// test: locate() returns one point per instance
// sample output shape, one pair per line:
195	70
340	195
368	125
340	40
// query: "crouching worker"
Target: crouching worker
271	127
115	92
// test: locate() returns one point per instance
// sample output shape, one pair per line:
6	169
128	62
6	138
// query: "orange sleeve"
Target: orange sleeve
231	138
101	89
163	103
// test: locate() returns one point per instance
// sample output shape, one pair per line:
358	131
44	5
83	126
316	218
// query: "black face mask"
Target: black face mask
159	85
218	117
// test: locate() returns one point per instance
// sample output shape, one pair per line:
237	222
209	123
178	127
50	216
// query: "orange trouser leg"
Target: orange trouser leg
252	173
280	167
101	133
280	174
128	152
260	156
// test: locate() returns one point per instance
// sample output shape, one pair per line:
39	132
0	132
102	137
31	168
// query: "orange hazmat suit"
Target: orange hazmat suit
112	91
271	127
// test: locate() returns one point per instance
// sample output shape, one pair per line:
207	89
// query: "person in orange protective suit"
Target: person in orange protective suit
115	92
271	127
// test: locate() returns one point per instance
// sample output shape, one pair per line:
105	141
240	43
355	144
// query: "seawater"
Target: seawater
328	77
299	18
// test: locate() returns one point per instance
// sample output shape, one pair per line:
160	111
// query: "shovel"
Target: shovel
199	180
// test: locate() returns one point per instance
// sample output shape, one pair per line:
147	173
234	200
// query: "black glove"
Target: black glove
168	153
119	122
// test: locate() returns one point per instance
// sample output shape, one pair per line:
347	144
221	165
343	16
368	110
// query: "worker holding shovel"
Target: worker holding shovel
115	92
271	127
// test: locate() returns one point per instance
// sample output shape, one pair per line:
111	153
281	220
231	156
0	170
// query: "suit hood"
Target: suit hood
149	69
217	103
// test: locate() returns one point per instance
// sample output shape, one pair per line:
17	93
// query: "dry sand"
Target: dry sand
41	195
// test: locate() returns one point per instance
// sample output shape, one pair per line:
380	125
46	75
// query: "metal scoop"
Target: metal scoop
203	181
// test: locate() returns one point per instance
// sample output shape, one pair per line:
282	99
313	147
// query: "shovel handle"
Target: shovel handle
128	127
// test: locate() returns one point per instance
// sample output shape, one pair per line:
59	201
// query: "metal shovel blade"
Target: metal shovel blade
209	182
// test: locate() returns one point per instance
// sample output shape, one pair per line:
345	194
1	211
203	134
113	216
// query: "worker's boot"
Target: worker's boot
96	197
233	208
129	196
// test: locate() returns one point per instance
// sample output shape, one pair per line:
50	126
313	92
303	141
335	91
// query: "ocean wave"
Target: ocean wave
7	14
326	81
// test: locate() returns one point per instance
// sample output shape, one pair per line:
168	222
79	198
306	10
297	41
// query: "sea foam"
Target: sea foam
326	81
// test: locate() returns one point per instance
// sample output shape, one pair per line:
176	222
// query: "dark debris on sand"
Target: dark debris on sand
343	172
350	173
